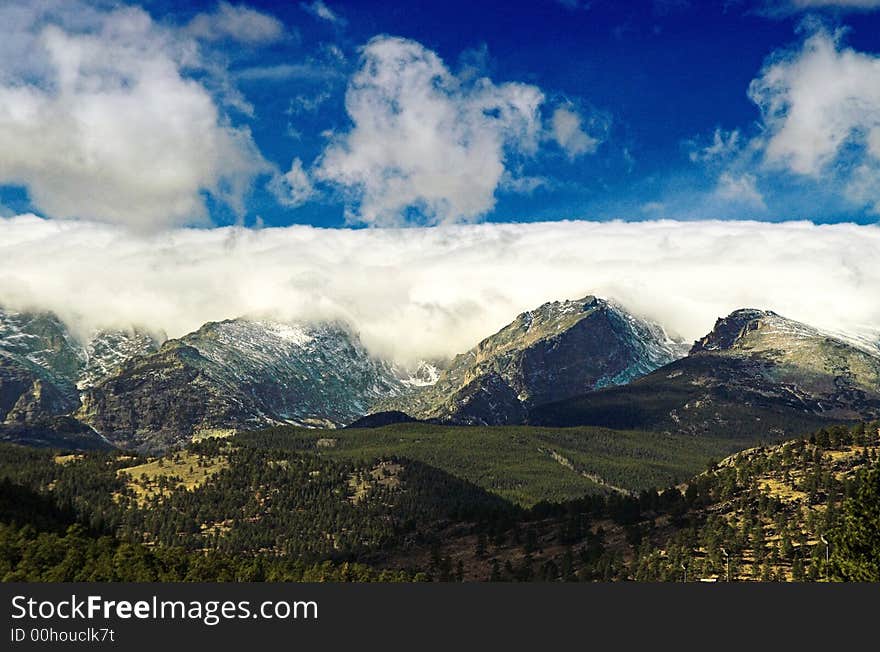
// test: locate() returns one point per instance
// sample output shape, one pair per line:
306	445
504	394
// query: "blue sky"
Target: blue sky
530	111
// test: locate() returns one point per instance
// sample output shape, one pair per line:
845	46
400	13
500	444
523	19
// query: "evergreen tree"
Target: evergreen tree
856	544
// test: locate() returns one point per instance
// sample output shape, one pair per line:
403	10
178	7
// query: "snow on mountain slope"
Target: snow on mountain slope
235	374
425	374
107	351
43	344
755	372
300	372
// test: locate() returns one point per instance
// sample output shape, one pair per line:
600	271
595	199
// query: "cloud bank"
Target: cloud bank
424	293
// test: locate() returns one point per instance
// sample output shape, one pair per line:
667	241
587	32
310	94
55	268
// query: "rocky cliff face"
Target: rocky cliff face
42	369
41	342
108	350
556	351
730	330
39	361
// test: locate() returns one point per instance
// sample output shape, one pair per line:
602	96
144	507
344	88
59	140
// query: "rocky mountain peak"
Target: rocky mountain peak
728	330
557	350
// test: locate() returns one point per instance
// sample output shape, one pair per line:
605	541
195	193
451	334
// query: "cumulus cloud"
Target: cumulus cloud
424	139
820	124
99	120
863	186
421	293
568	131
817	100
236	23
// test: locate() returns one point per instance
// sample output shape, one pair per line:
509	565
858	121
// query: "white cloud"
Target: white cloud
423	139
816	100
294	188
326	64
307	103
568	131
820	110
741	189
98	119
236	23
723	146
523	184
787	8
322	11
416	293
863	186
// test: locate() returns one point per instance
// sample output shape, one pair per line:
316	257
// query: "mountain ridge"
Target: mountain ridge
238	373
753	365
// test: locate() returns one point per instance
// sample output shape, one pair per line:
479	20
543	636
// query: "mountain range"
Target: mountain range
129	390
754	370
587	362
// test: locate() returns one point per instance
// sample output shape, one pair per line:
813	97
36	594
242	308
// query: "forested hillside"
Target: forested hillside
258	509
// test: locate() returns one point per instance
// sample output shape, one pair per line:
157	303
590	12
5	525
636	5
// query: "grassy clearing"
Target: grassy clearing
67	459
212	433
384	474
182	470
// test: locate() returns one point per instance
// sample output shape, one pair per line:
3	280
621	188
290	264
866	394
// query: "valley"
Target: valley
523	464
